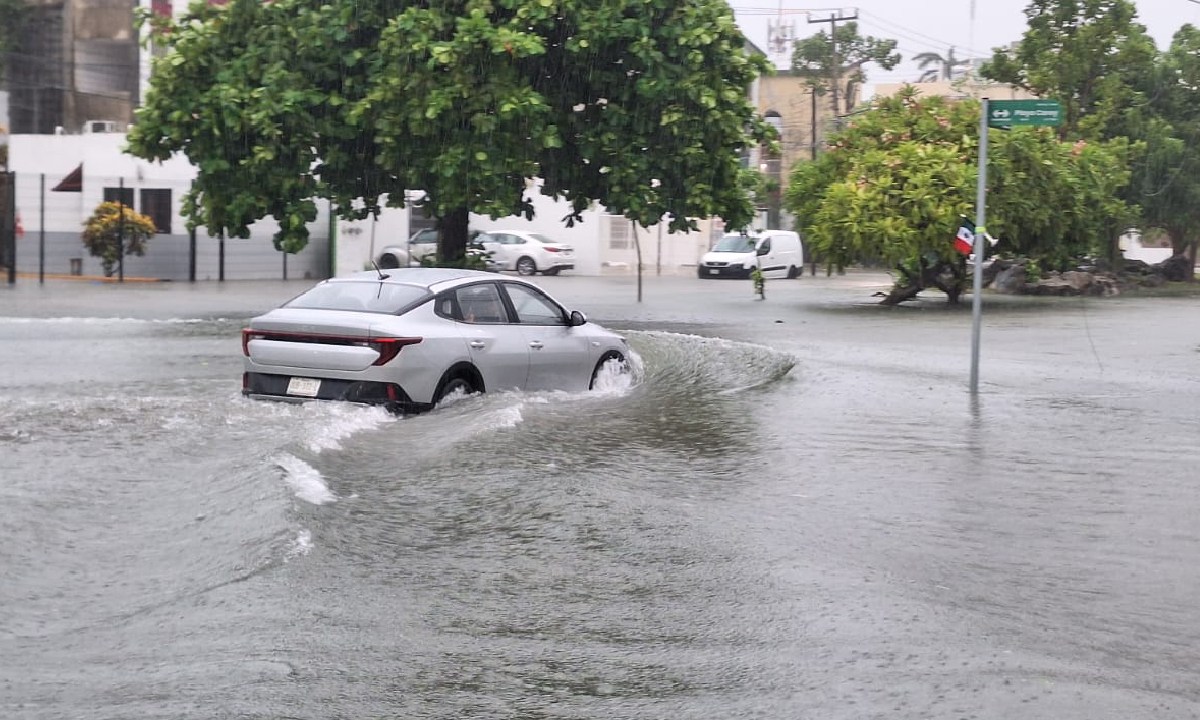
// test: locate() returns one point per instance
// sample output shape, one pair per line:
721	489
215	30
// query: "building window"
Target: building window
620	233
121	195
156	205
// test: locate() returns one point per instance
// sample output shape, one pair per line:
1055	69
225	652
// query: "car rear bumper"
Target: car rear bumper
265	386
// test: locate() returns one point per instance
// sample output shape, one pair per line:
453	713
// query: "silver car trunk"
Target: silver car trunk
318	339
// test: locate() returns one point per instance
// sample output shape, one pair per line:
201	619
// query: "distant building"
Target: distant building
78	66
967	86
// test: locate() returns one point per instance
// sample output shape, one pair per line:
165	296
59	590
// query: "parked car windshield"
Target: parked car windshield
365	295
735	243
542	238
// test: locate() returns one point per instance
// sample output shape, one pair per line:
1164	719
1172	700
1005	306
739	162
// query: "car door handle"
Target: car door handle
478	344
536	345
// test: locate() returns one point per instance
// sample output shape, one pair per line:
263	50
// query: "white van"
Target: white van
778	253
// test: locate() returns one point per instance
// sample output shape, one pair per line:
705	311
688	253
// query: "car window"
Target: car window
765	247
480	303
541	238
364	295
425	237
534	308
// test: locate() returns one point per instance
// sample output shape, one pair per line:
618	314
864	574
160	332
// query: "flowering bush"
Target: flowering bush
106	231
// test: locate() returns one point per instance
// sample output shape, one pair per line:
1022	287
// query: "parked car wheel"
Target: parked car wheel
526	266
388	261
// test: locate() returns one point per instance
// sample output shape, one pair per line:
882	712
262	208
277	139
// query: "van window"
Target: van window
735	243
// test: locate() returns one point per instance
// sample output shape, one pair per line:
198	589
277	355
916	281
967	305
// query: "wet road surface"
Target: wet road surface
799	512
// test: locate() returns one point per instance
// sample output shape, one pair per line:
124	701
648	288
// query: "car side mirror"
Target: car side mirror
577	319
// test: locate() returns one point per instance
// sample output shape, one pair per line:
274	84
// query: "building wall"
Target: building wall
965	87
53	221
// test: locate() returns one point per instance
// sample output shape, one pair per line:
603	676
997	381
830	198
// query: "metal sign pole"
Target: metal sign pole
980	234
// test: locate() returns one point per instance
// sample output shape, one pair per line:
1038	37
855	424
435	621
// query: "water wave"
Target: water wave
305	480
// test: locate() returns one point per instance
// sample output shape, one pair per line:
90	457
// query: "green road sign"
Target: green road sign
1011	113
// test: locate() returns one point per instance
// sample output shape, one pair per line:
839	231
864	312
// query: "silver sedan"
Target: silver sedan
407	338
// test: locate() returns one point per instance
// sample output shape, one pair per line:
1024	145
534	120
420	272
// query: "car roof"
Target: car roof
422	276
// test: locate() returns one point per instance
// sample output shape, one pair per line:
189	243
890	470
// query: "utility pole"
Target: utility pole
834	65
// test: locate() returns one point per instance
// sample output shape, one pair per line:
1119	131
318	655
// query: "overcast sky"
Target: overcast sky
935	25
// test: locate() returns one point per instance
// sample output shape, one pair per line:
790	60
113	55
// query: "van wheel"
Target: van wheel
793	273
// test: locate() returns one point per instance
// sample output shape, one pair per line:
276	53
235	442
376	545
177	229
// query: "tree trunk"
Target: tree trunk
452	237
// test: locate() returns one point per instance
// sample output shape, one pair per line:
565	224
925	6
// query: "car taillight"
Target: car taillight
389	348
547	248
247	336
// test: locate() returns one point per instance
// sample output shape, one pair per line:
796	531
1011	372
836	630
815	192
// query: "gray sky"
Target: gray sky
935	25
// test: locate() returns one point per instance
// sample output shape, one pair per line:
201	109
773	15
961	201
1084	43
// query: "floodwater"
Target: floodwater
798	512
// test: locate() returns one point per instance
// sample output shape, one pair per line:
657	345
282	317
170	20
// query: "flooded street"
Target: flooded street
798	512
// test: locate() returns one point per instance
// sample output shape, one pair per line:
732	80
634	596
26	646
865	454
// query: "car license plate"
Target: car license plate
305	387
714	271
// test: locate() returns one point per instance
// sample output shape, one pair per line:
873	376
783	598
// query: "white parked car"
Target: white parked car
528	252
778	253
422	243
406	338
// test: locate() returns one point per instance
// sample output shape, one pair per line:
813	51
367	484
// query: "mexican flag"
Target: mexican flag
964	241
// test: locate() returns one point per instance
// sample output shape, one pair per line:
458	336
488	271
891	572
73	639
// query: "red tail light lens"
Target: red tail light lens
547	248
389	348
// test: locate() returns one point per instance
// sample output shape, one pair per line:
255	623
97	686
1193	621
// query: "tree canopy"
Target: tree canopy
893	186
819	61
1087	54
640	105
1098	61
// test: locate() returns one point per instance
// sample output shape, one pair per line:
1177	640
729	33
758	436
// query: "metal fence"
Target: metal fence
42	219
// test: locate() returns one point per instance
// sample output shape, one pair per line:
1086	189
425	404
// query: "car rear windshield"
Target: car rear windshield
362	296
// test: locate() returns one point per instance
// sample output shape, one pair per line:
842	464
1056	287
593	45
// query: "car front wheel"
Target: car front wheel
526	266
612	365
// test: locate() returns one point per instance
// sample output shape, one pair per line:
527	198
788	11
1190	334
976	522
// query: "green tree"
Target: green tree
113	228
1087	54
894	184
822	62
1167	174
639	105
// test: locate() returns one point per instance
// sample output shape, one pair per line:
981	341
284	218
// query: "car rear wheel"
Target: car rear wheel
455	387
792	272
526	266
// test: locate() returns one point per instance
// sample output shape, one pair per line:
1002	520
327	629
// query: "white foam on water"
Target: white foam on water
301	545
617	378
305	480
331	423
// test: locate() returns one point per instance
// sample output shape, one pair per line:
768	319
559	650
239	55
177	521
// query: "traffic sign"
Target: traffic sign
1010	113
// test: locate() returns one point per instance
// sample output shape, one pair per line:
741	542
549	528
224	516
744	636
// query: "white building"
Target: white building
60	179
